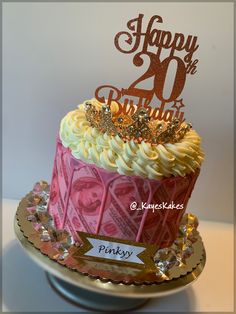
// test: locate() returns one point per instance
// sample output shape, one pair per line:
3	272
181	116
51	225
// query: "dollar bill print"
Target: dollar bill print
82	199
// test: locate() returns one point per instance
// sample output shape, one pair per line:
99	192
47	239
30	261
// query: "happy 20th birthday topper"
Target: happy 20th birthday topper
162	49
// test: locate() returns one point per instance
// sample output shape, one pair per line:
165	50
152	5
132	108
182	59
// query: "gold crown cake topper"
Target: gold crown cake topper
136	114
140	126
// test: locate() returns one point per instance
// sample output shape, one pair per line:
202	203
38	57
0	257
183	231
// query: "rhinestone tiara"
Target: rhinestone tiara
139	126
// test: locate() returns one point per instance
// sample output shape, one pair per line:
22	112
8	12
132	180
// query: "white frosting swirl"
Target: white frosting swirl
129	158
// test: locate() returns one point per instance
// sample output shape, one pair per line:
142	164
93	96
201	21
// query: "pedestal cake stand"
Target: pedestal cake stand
101	286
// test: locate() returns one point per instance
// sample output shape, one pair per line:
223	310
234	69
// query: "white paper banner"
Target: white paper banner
114	250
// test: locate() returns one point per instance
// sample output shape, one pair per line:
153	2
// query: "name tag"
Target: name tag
115	251
112	249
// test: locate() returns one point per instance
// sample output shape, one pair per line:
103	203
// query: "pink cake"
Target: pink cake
122	189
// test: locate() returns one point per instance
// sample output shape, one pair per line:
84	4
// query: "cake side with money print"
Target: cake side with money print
112	183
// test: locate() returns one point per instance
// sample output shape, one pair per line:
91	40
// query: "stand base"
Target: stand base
93	300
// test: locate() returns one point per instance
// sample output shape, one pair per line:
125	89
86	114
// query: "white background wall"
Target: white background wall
56	54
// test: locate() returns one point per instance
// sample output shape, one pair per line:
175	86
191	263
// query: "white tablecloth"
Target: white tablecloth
25	288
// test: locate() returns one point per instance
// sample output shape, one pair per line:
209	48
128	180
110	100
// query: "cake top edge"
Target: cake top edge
129	157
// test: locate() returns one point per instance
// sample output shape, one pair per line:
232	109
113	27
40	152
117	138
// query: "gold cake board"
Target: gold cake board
72	285
92	293
95	293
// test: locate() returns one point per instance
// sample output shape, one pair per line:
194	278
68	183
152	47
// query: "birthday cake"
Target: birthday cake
125	168
111	182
